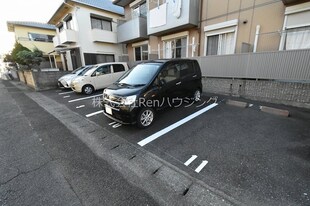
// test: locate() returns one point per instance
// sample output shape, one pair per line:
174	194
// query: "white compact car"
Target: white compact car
65	81
98	77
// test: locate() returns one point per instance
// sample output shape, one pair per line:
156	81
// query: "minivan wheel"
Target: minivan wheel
146	117
197	95
88	89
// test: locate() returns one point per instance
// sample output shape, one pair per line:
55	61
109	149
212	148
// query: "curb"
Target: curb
270	110
236	103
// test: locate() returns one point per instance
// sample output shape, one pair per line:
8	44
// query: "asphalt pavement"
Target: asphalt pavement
208	153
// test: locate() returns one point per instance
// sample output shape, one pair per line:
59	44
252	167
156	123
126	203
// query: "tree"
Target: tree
18	48
8	58
32	59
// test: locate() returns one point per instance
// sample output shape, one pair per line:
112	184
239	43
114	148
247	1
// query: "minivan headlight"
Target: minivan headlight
129	100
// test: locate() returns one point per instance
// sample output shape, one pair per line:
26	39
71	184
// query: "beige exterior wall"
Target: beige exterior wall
82	26
269	14
21	36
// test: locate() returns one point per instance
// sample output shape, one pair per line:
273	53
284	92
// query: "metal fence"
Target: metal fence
279	65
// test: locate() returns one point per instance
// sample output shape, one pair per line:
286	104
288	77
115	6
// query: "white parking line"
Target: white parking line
190	160
65	92
175	125
81	106
66	96
79	99
93	114
201	166
116	125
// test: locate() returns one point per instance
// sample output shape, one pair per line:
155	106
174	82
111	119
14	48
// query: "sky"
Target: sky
23	10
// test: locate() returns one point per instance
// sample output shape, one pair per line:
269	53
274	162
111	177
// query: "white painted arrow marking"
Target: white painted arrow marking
201	166
190	160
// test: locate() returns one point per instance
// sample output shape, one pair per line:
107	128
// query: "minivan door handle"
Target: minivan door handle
178	83
195	75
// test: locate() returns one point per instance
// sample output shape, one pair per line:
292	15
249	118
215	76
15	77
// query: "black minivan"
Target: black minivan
141	91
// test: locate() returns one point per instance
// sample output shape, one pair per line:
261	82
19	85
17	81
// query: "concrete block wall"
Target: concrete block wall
288	93
47	80
29	79
39	80
21	76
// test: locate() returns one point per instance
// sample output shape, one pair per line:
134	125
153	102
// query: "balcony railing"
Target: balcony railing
170	17
56	42
99	35
132	30
67	36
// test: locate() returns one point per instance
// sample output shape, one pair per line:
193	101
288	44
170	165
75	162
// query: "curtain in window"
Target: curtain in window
298	38
212	45
184	46
106	25
226	45
145	53
168	49
95	23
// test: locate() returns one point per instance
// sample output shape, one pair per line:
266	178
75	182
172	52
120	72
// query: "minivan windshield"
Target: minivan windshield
76	71
141	74
85	70
90	71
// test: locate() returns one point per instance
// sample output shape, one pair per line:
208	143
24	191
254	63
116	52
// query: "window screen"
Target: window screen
98	58
102	24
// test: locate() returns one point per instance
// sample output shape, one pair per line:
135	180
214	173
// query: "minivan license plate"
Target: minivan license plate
108	109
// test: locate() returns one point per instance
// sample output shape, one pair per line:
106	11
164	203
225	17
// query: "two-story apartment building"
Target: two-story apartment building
159	29
87	32
237	26
39	35
189	28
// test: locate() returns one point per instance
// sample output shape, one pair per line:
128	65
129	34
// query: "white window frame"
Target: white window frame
173	37
221	28
292	10
139	44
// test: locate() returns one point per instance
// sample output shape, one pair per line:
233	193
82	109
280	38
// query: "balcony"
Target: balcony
167	18
56	42
99	35
67	36
290	2
132	30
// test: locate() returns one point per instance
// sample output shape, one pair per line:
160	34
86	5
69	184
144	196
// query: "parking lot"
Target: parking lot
248	154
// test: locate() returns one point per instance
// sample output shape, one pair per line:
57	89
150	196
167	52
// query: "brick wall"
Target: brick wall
288	93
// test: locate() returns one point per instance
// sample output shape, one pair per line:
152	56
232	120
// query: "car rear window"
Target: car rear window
118	68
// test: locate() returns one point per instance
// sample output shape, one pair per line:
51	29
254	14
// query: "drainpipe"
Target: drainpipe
256	38
199	27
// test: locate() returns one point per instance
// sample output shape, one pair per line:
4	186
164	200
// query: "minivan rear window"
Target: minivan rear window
187	68
141	74
118	68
